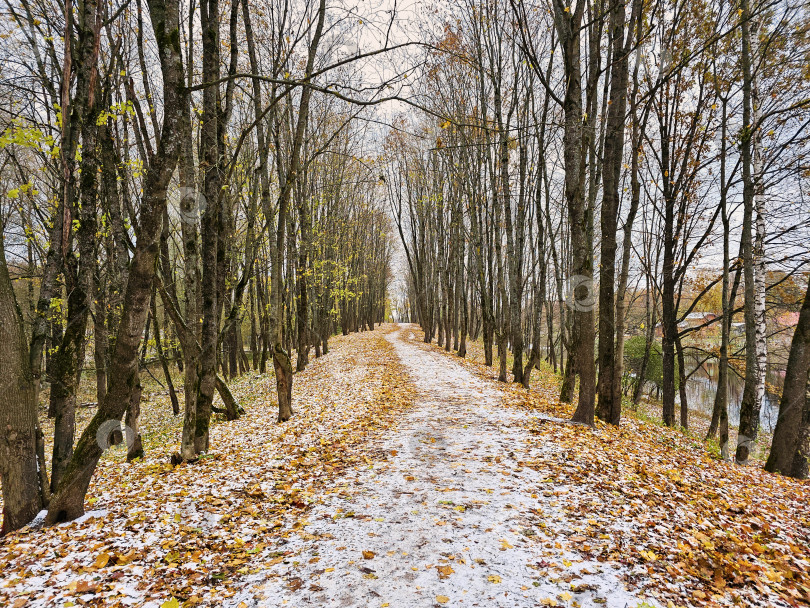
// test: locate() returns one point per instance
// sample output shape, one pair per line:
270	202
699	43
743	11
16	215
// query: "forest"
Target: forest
261	260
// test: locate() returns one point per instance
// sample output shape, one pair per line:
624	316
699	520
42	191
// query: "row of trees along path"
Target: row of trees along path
193	183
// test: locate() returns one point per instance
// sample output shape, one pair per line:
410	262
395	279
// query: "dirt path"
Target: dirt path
460	513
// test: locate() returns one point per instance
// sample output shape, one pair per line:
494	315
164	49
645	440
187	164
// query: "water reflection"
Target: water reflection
701	389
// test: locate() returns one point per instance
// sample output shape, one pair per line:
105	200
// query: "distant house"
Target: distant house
693	319
788	319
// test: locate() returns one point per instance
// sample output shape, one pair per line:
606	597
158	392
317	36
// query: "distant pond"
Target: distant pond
701	389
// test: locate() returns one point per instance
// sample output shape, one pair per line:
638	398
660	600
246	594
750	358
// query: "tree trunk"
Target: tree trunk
233	352
502	354
669	315
789	450
211	224
101	342
68	502
254	337
64	373
232	408
78	271
283	369
801	458
537	306
749	411
569	380
133	422
539	292
610	403
302	312
22	496
281	360
581	356
162	357
635	196
682	383
720	407
648	345
465	311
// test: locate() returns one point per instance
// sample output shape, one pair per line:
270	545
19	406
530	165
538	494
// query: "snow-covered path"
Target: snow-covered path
458	513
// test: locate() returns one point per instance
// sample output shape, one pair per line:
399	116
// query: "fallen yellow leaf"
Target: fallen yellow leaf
102	560
122	559
444	571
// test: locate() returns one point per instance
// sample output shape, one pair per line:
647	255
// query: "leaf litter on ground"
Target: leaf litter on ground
157	533
695	530
646	505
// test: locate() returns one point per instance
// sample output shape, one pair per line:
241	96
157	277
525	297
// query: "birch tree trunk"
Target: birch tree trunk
749	410
759	209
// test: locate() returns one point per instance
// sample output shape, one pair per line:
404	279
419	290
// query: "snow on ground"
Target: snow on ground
160	534
457	512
